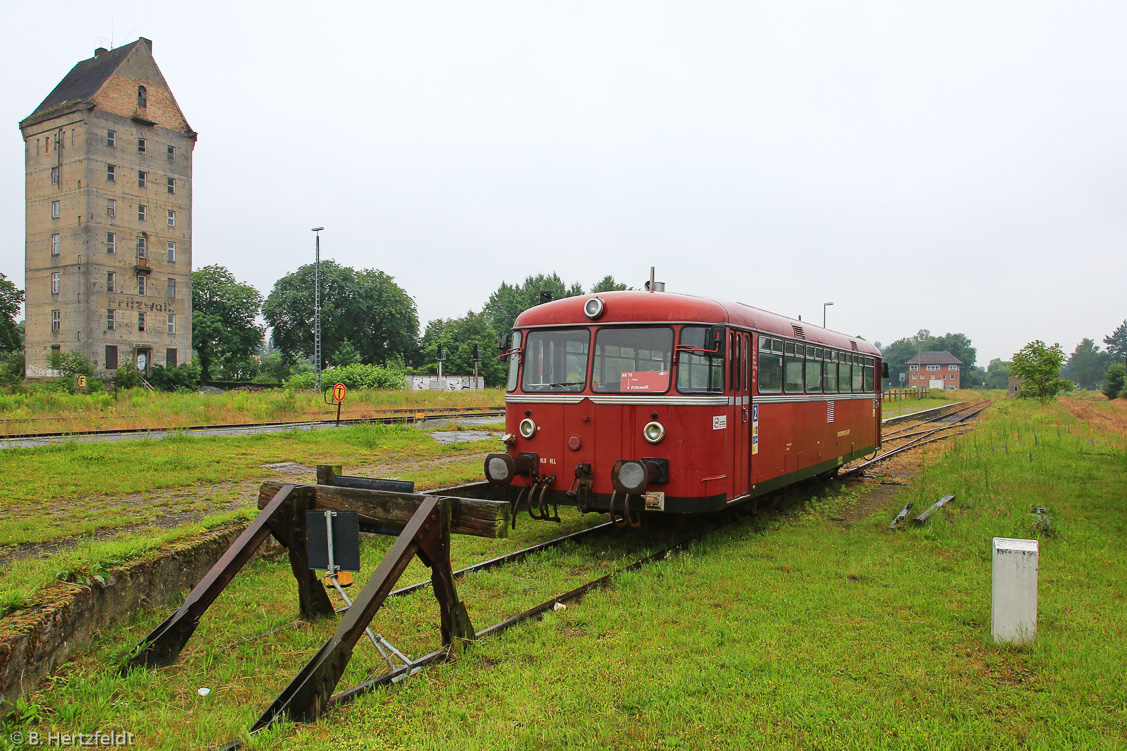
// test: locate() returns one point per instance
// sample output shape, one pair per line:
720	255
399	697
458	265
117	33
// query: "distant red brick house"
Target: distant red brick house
936	370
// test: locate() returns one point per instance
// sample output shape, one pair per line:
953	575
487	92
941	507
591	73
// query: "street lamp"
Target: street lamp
824	306
317	313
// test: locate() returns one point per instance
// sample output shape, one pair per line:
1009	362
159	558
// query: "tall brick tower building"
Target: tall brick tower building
108	158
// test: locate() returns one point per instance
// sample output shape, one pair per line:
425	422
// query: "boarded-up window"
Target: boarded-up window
170	357
111	357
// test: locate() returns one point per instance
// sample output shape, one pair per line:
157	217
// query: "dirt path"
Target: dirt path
1109	416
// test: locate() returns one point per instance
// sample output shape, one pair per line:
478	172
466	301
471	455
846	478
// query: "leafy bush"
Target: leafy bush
356	376
11	369
127	376
71	363
1115	381
184	377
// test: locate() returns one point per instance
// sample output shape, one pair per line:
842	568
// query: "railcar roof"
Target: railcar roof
670	307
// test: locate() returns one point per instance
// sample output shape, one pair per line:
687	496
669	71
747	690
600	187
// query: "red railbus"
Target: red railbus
622	401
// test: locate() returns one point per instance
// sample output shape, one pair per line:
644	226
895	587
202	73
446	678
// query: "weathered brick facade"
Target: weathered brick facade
108	251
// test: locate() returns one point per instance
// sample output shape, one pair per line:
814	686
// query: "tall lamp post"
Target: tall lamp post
824	306
317	313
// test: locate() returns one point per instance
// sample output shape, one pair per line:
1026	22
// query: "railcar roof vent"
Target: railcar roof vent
853	344
798	331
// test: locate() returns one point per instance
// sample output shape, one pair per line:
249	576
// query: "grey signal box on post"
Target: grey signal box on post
1013	615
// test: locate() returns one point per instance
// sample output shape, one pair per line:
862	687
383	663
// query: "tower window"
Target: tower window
171	288
172	323
111	281
56	322
111	207
171	185
111	349
111	138
111	324
56	210
142	179
140	321
142	212
142	247
142	97
141	285
54	175
171	218
111	242
141	145
54	282
171	153
111	173
172	252
56	243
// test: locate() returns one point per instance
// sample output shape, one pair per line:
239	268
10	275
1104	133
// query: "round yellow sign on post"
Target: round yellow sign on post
338	392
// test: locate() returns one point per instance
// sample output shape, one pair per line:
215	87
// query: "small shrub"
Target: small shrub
184	377
356	376
127	377
1115	381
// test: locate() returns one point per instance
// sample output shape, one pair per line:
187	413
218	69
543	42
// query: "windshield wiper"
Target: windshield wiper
564	385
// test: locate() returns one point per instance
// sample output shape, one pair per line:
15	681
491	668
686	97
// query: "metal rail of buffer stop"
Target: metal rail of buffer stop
423	524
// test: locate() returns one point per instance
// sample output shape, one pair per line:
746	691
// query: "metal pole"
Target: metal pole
317	313
824	306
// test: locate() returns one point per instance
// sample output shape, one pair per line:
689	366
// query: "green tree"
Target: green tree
346	354
897	356
365	307
1115	381
10	300
224	334
608	284
1116	343
510	300
1038	366
458	337
998	374
1087	364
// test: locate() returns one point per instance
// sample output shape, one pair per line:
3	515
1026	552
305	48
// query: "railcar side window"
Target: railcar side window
556	361
858	374
696	372
814	369
632	361
869	375
845	373
770	365
792	368
514	362
829	375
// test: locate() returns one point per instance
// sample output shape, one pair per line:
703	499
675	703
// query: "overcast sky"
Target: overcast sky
956	166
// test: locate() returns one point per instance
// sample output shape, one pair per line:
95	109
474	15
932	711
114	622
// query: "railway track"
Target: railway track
914	438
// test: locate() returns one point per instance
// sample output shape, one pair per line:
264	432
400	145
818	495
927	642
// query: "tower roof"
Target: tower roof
87	77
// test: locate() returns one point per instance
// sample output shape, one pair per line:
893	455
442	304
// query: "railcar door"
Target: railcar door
740	391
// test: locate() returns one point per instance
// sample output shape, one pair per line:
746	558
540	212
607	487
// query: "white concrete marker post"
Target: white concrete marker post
1014	612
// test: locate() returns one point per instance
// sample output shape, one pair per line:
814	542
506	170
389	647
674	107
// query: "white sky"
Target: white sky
957	166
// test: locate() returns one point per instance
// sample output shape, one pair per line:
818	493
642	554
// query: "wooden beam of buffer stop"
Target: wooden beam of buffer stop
423	525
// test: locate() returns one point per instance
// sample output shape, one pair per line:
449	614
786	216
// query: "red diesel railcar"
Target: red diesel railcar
626	400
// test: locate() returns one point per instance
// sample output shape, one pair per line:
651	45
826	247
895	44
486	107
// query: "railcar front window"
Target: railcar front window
770	365
556	361
514	362
632	361
698	372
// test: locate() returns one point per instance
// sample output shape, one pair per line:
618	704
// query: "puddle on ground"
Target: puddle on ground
461	436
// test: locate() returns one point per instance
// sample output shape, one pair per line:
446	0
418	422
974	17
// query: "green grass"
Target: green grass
47	412
793	630
83	489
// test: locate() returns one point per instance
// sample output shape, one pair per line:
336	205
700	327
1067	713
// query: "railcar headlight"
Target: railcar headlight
654	432
593	308
632	477
527	427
